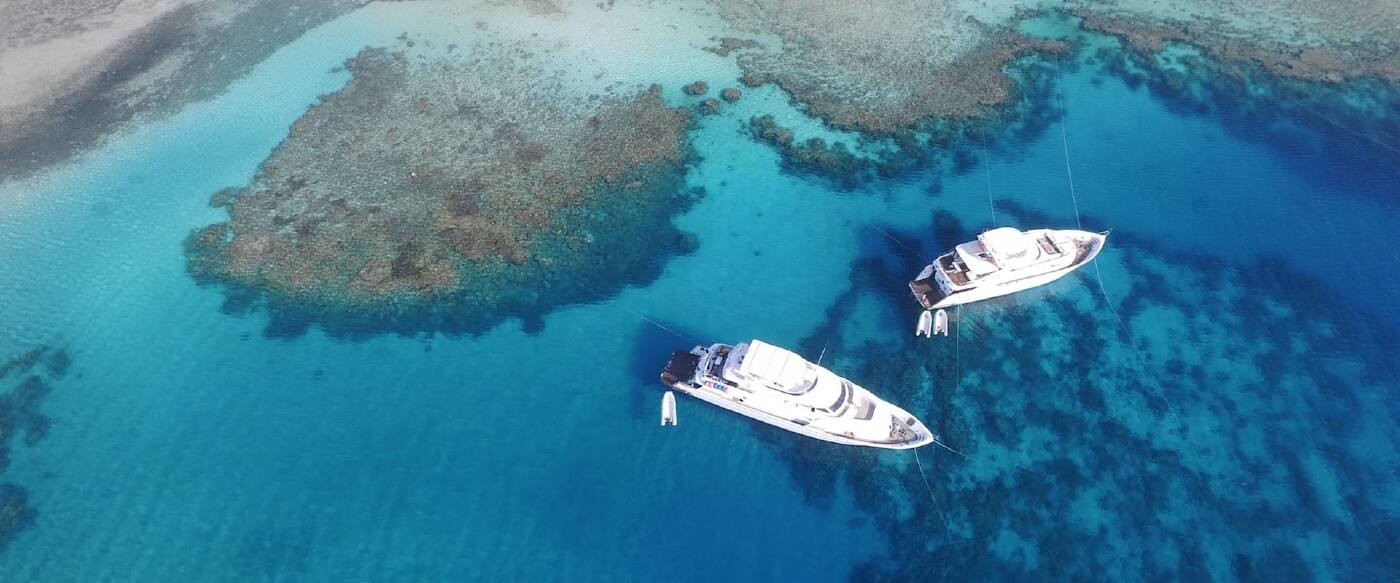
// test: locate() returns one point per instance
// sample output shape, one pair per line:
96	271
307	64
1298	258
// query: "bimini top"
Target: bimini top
782	368
1007	245
785	371
976	258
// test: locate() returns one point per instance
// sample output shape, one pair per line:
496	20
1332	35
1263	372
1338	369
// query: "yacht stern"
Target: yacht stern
680	370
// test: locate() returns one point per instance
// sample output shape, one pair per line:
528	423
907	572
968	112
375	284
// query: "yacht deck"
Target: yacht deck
950	268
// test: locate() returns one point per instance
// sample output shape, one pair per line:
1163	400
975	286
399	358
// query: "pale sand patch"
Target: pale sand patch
39	62
75	71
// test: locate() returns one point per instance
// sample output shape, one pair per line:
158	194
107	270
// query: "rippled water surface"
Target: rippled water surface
1215	399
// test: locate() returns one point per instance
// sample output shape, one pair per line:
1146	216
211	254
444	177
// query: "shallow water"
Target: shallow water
186	445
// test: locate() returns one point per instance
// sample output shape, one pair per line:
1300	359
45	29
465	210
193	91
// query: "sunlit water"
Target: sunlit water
187	446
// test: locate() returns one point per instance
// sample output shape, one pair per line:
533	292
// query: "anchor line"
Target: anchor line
1132	342
936	506
957	350
1356	132
1064	142
658	325
987	170
1069	173
891	237
945	446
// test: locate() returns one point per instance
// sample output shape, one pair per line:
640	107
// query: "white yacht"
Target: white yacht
1002	261
780	388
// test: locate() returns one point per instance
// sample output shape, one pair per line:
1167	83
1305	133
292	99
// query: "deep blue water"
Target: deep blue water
1252	379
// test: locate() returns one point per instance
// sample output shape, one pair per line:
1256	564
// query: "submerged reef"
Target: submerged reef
879	69
883	67
731	44
1206	436
25	380
813	156
910	82
1315	41
976	76
1352	122
76	71
951	144
449	193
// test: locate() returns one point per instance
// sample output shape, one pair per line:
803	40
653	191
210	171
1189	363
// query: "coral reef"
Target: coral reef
24	384
731	94
927	85
932	143
434	194
22	363
834	162
1203	438
16	514
1351	123
731	44
1345	113
884	67
879	69
1304	40
696	89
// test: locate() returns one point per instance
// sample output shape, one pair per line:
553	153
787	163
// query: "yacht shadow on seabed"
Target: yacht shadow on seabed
655	341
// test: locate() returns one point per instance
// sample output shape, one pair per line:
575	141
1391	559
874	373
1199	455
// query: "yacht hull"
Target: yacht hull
1094	243
681	375
705	394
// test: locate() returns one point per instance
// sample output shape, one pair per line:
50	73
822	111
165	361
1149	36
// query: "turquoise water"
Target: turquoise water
1249	390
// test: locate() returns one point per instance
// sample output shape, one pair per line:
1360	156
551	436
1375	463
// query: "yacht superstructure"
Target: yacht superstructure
1003	261
776	386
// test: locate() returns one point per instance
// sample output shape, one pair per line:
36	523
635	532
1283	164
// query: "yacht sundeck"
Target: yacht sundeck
780	388
1003	261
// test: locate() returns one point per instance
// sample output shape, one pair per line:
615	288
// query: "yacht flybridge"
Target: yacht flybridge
1003	261
780	388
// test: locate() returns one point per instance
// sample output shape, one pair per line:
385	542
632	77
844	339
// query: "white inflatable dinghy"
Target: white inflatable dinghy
940	322
668	409
925	325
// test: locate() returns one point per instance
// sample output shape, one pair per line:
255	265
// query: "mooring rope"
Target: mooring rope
1358	133
936	506
1064	142
1069	172
987	170
945	446
891	237
658	325
1132	341
957	350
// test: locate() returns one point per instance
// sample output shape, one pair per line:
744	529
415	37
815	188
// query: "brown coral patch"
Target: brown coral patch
396	187
731	44
884	67
1328	63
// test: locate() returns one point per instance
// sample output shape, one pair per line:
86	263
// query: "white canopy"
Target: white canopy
789	373
971	255
1006	244
778	366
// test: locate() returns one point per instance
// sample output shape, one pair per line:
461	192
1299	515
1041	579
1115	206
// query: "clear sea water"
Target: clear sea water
185	445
